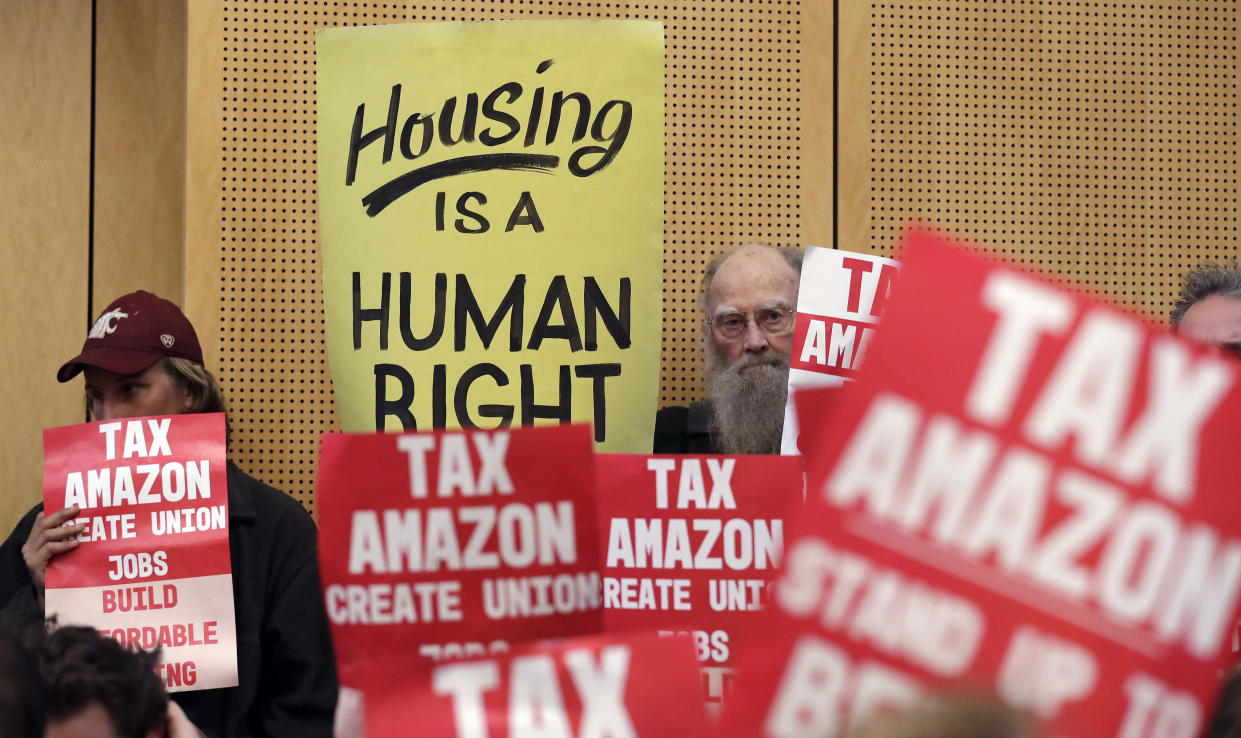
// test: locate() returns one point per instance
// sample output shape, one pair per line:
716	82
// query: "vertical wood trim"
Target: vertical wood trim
818	126
203	195
139	149
853	127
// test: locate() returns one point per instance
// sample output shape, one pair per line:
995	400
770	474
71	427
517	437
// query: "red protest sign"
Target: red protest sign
588	687
1043	510
842	296
456	543
839	303
153	568
689	544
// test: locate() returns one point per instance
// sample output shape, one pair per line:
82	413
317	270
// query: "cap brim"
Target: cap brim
119	360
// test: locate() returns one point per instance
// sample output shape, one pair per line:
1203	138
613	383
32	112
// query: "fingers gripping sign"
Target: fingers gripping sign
51	535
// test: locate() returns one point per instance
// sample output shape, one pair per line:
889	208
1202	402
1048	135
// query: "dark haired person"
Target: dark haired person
97	687
142	357
749	298
1208	309
21	688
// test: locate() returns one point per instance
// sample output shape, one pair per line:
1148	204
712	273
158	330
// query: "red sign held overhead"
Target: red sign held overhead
153	568
619	686
690	543
451	544
1040	505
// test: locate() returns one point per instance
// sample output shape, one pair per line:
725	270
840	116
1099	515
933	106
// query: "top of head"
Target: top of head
132	333
750	277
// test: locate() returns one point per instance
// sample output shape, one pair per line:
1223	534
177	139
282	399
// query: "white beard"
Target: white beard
749	396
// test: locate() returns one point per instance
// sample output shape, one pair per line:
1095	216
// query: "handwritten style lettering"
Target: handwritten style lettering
457	122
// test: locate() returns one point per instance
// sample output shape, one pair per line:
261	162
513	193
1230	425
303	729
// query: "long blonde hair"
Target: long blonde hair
202	385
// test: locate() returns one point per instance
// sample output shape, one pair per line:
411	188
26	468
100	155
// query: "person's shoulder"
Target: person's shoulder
685	430
699	415
671	417
27	520
671	428
250	497
21	531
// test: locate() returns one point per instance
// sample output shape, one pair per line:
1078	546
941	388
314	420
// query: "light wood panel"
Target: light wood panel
45	70
817	154
204	113
1096	141
139	149
737	170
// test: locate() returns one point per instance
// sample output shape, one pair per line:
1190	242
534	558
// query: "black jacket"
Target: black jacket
685	430
285	665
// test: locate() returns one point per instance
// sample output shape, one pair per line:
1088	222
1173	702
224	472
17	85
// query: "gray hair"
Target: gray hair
791	256
201	385
1207	280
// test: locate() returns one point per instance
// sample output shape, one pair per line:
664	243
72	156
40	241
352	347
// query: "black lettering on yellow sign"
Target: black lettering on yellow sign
557	319
607	127
524	213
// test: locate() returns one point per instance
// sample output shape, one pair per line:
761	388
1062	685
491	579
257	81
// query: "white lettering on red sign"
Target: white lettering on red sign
665	544
820	686
141	484
843	347
465	684
1041	672
691	490
602	691
111	487
1089	392
456	473
516	535
929	476
535	700
136	443
848	593
1157	711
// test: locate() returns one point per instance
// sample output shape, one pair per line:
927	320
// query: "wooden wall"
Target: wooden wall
139	149
93	186
45	64
1098	141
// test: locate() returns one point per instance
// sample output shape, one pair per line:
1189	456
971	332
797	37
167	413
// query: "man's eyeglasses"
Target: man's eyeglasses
774	321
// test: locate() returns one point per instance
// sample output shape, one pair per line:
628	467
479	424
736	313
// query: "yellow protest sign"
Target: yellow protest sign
491	221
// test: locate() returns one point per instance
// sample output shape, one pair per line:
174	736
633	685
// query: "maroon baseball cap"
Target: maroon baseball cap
133	333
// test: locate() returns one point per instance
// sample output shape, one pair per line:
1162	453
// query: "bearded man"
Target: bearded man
749	297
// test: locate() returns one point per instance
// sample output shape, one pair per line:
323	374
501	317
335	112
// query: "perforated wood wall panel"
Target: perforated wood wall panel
1096	140
733	174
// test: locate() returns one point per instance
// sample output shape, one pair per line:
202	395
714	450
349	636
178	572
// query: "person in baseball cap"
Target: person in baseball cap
134	332
141	357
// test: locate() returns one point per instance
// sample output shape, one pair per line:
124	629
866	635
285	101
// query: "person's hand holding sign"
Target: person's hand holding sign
112	395
49	537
